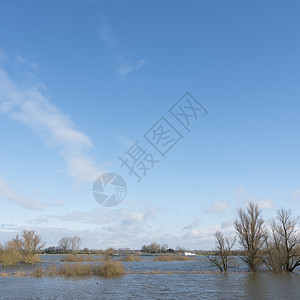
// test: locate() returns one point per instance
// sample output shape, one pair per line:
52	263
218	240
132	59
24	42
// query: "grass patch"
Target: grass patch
173	258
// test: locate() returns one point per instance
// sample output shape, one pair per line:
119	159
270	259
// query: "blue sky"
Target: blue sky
81	81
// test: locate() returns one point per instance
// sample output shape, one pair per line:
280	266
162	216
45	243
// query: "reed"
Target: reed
19	274
173	258
38	272
80	258
51	271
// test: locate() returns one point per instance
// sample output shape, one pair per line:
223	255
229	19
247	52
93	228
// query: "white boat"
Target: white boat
189	254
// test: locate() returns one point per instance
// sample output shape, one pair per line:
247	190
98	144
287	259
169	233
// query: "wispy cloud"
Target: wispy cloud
31	107
33	65
125	141
101	216
8	194
218	207
124	65
194	224
265	203
41	220
3	55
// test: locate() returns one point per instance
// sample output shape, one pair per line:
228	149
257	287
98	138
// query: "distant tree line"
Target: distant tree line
276	246
157	248
66	245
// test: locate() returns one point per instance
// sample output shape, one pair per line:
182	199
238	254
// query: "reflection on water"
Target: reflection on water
235	285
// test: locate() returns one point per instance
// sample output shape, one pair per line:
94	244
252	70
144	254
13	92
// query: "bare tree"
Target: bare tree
224	244
109	251
179	249
31	244
64	244
69	244
164	248
251	232
75	243
283	244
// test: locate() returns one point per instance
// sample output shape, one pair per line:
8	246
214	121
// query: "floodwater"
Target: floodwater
234	285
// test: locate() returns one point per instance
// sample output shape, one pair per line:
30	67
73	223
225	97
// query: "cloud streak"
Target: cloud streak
31	107
10	195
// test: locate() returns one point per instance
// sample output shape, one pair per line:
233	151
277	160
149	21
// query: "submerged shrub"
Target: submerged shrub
131	258
73	258
76	269
10	257
24	249
110	269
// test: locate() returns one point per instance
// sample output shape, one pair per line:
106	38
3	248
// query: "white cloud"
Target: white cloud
10	195
239	191
218	207
295	195
202	238
31	107
229	224
265	203
117	227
